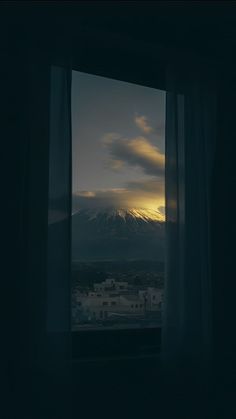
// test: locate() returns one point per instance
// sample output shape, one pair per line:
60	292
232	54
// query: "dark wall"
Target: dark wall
34	37
24	145
223	228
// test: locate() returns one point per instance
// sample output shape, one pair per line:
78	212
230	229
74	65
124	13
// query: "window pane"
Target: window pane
118	203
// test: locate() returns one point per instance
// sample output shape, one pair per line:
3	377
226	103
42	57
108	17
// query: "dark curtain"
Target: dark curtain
191	116
27	134
59	215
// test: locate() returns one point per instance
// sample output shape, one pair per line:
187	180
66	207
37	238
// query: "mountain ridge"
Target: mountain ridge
117	233
145	214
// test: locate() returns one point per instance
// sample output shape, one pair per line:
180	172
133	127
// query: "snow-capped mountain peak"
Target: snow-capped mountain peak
117	233
143	214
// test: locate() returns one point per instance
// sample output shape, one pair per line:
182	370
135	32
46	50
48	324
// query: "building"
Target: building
113	299
110	284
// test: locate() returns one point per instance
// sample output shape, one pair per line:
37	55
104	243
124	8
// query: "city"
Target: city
116	298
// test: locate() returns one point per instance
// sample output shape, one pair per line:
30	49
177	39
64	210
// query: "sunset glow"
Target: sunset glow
118	143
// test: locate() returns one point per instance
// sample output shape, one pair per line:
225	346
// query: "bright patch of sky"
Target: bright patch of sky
118	141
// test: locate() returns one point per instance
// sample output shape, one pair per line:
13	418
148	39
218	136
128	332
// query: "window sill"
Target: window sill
116	344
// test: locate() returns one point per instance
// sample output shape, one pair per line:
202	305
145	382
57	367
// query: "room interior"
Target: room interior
136	42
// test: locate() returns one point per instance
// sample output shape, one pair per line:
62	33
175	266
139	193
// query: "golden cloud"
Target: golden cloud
142	123
138	152
141	194
86	194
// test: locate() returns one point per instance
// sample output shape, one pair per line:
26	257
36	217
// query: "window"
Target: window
118	216
126	331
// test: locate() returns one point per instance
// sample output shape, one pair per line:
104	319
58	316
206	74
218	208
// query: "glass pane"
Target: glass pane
118	203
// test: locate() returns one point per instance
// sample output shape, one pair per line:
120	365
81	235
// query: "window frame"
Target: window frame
87	344
121	58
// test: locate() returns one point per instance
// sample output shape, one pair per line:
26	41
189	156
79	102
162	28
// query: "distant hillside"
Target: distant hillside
103	234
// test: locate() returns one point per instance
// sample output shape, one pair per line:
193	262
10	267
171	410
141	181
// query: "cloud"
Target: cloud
138	152
155	186
101	198
109	137
142	123
114	164
139	194
86	194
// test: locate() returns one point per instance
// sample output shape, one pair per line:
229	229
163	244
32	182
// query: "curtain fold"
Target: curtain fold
191	111
59	215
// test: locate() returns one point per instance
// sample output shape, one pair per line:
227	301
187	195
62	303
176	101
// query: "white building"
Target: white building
154	298
112	298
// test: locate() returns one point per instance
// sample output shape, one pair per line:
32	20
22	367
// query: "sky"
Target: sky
118	144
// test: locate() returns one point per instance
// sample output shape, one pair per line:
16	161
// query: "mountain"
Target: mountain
117	234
